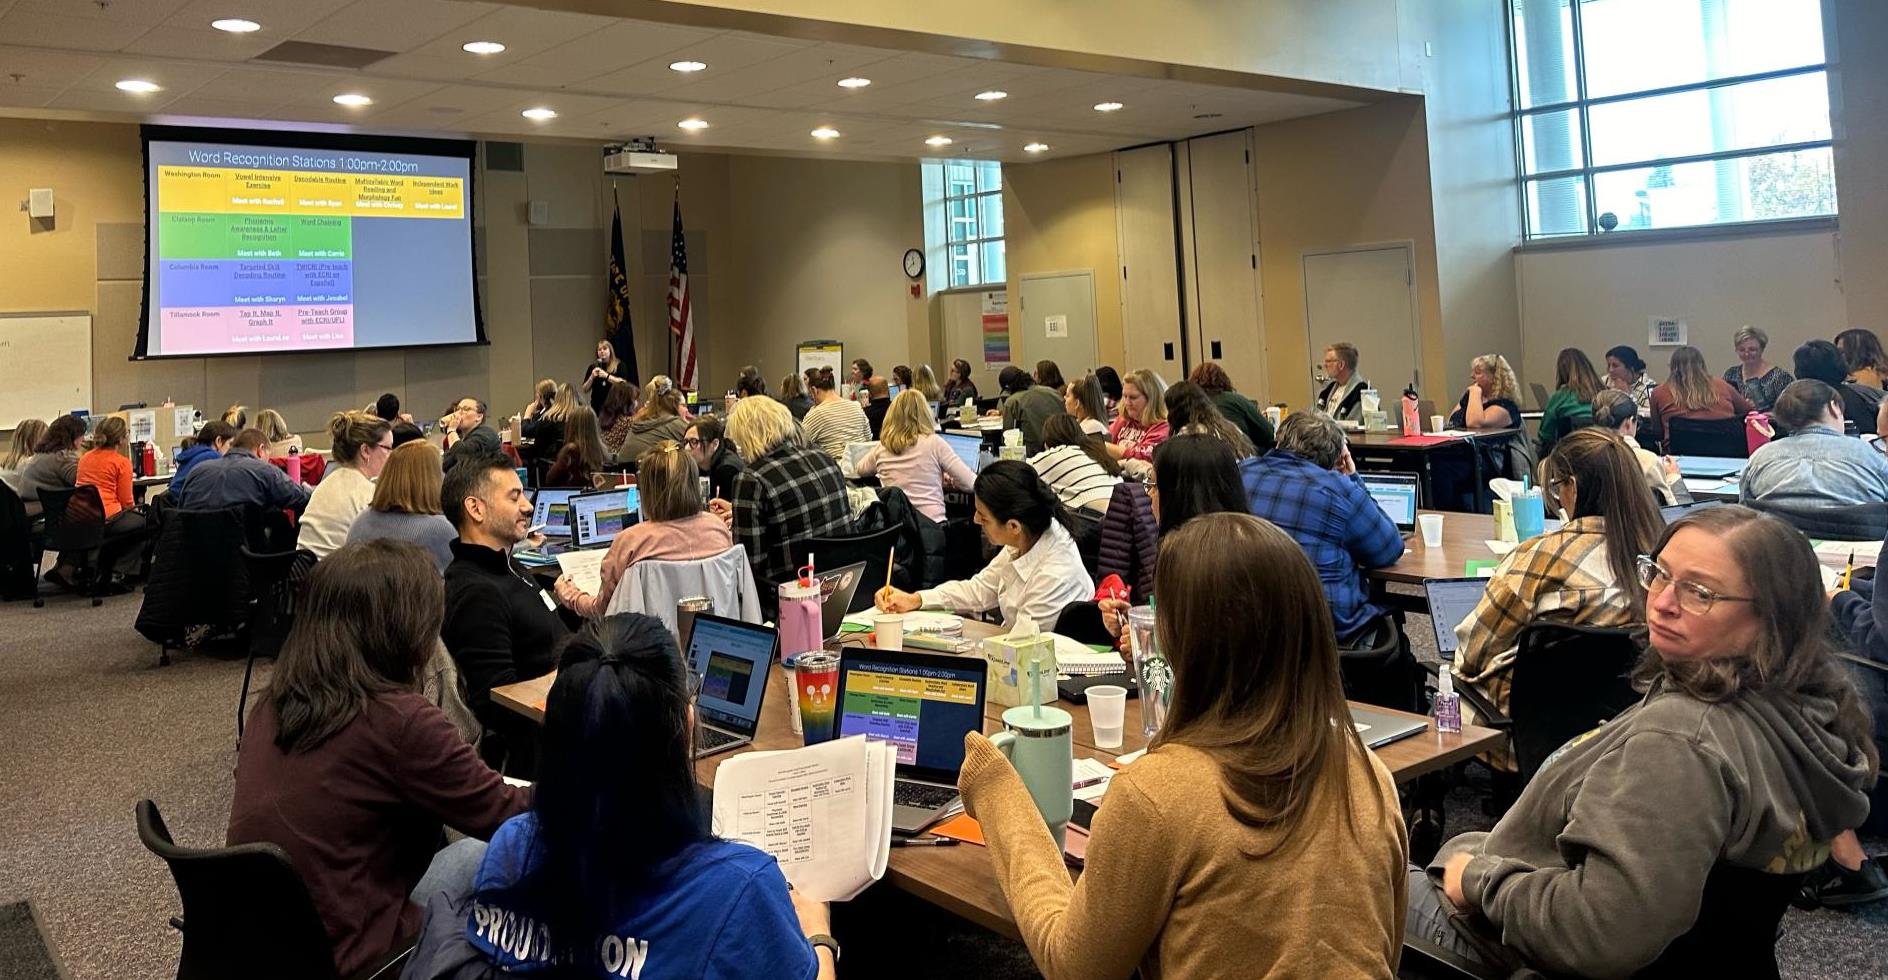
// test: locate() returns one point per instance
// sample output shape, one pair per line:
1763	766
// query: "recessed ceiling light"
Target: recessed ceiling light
992	95
854	82
826	133
236	25
693	124
1107	106
354	99
938	141
687	66
1034	147
139	86
539	113
482	47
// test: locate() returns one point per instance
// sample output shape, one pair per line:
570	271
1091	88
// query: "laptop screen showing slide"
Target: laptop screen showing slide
553	510
1451	600
967	448
733	659
596	517
1397	494
922	703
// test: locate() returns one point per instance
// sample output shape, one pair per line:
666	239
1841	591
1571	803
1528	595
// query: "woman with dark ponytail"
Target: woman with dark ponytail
1038	572
614	871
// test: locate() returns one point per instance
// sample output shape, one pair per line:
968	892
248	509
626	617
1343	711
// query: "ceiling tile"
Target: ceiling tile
41	30
392	26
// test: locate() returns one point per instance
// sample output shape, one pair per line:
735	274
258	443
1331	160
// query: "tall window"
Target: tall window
963	222
1638	114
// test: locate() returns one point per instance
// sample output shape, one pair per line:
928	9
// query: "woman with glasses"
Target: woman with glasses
674	527
1748	754
362	443
613	872
1581	574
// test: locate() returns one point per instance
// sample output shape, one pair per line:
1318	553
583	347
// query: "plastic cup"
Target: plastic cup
816	688
1431	525
1107	712
793	699
889	629
1437	423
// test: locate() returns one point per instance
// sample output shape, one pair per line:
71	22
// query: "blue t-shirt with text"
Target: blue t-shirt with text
717	909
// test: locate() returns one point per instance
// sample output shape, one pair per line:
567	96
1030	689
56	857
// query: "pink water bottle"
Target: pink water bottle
295	464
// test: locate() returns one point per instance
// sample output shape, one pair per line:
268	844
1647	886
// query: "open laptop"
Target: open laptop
1378	729
1398	494
968	448
553	510
1451	600
922	703
733	660
836	589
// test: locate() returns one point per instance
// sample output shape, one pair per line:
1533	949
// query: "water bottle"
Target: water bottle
295	464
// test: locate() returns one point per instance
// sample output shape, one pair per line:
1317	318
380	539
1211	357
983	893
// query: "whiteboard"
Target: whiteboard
46	359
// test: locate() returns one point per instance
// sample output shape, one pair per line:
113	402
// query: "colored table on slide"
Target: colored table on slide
265	257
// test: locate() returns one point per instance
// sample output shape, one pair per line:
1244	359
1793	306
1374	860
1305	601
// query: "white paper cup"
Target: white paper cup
793	697
1431	525
890	630
1437	423
1107	712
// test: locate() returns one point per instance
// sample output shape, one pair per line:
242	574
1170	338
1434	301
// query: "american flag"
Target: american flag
681	313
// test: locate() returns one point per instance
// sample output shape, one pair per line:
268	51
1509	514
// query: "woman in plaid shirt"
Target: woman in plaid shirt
1582	574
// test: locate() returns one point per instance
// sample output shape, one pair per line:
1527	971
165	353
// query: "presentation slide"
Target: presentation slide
331	242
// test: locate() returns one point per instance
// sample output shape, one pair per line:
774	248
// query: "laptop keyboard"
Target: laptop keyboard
922	795
709	738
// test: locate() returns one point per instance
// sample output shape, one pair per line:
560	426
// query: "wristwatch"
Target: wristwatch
827	941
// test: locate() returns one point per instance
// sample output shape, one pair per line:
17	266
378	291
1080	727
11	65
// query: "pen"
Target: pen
924	842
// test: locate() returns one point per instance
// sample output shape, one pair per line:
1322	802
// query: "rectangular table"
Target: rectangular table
959	879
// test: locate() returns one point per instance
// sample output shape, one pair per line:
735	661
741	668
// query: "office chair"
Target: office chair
247	913
1707	437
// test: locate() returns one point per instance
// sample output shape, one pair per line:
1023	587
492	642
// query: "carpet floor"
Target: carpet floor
92	725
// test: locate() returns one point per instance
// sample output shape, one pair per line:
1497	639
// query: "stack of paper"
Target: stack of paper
823	811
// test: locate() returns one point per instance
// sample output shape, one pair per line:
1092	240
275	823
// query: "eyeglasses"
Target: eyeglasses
1692	597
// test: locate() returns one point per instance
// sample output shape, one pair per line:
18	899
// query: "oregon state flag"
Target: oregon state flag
617	326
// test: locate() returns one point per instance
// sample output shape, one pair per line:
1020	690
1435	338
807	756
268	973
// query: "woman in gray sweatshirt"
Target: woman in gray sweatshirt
1749	752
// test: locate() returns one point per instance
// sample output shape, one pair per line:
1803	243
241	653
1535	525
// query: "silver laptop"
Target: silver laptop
922	703
1378	729
1399	494
732	659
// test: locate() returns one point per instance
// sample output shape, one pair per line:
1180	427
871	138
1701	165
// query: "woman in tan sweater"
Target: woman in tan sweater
1257	837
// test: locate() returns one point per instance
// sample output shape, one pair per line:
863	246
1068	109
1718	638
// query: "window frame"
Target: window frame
1581	105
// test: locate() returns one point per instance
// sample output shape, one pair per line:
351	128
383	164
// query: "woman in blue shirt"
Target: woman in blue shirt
613	872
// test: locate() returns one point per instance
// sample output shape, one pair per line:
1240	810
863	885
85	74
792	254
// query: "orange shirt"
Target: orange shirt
110	471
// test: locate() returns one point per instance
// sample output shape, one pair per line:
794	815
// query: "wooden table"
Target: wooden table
959	879
1388	451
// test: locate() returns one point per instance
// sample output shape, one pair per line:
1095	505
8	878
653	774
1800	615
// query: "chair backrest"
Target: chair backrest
246	912
1566	680
653	587
1854	522
75	518
871	547
1707	437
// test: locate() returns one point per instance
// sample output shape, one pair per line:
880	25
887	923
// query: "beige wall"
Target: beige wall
1059	216
1345	178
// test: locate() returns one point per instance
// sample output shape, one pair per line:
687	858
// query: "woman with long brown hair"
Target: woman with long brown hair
1748	754
349	768
1571	404
583	454
1256	795
1692	393
1582	574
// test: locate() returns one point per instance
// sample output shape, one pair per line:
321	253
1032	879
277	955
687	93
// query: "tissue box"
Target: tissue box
1009	657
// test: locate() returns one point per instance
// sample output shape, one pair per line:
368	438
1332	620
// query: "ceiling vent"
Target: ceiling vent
325	55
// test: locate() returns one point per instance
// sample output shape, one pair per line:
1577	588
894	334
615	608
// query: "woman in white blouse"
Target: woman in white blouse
362	443
1038	572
